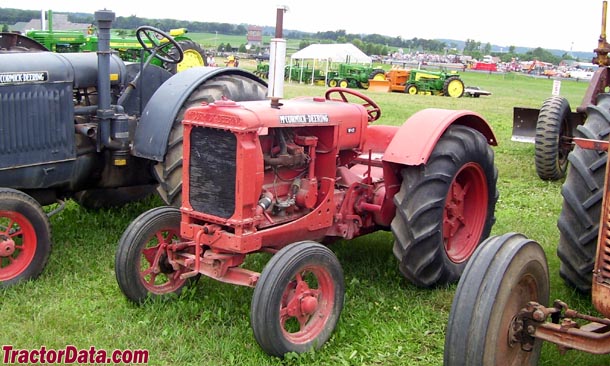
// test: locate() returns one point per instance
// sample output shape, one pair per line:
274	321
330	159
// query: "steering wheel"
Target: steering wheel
160	50
372	108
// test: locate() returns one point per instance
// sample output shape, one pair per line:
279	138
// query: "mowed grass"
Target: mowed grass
385	320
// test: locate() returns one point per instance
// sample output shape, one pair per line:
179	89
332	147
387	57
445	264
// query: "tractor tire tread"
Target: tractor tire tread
582	194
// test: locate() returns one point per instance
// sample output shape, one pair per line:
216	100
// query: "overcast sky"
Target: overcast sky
548	24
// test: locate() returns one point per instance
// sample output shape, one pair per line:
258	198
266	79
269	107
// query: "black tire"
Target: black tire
25	237
332	83
376	74
411	89
435	229
139	283
194	56
304	264
453	87
582	193
503	275
169	171
553	123
343	83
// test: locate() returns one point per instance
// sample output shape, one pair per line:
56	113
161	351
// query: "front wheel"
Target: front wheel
503	275
298	299
445	208
142	263
25	237
411	89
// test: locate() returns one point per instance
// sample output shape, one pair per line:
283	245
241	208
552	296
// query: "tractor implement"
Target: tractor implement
552	127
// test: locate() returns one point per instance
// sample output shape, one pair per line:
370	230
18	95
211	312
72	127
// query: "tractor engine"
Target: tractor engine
250	168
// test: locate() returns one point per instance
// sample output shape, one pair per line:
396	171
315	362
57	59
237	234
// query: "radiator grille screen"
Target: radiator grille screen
36	124
212	171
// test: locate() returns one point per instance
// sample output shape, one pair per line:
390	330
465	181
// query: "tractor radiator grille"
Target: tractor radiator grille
212	171
36	124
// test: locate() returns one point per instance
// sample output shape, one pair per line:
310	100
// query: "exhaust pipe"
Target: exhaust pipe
277	61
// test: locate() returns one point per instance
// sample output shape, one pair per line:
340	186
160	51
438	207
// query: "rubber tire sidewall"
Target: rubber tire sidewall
129	251
186	45
448	82
554	114
17	201
483	293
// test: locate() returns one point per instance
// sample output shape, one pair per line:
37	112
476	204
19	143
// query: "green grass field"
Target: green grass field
385	320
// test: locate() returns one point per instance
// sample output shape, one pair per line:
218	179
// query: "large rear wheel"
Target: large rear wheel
298	299
552	133
453	87
503	275
169	171
194	56
445	208
582	194
25	237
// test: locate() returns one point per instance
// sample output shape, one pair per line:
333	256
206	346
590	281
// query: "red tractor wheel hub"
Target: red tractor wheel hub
7	246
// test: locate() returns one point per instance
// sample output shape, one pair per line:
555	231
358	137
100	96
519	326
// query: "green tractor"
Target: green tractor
435	83
128	47
304	73
294	73
354	76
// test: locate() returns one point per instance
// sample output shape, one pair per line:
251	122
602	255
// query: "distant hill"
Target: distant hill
522	50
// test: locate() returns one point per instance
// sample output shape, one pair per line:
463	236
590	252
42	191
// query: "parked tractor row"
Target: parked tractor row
410	81
415	81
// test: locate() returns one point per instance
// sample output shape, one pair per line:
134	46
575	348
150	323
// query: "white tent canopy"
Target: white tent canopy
327	54
342	52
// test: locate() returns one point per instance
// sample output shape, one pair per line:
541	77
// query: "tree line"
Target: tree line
371	44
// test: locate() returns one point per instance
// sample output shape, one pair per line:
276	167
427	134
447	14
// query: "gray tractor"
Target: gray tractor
92	128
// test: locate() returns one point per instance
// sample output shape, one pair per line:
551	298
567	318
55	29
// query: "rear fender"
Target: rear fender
153	130
416	138
413	144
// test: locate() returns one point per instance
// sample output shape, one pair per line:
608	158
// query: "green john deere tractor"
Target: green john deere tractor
354	76
435	83
128	47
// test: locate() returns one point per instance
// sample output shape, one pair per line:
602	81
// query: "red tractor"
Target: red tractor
289	177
